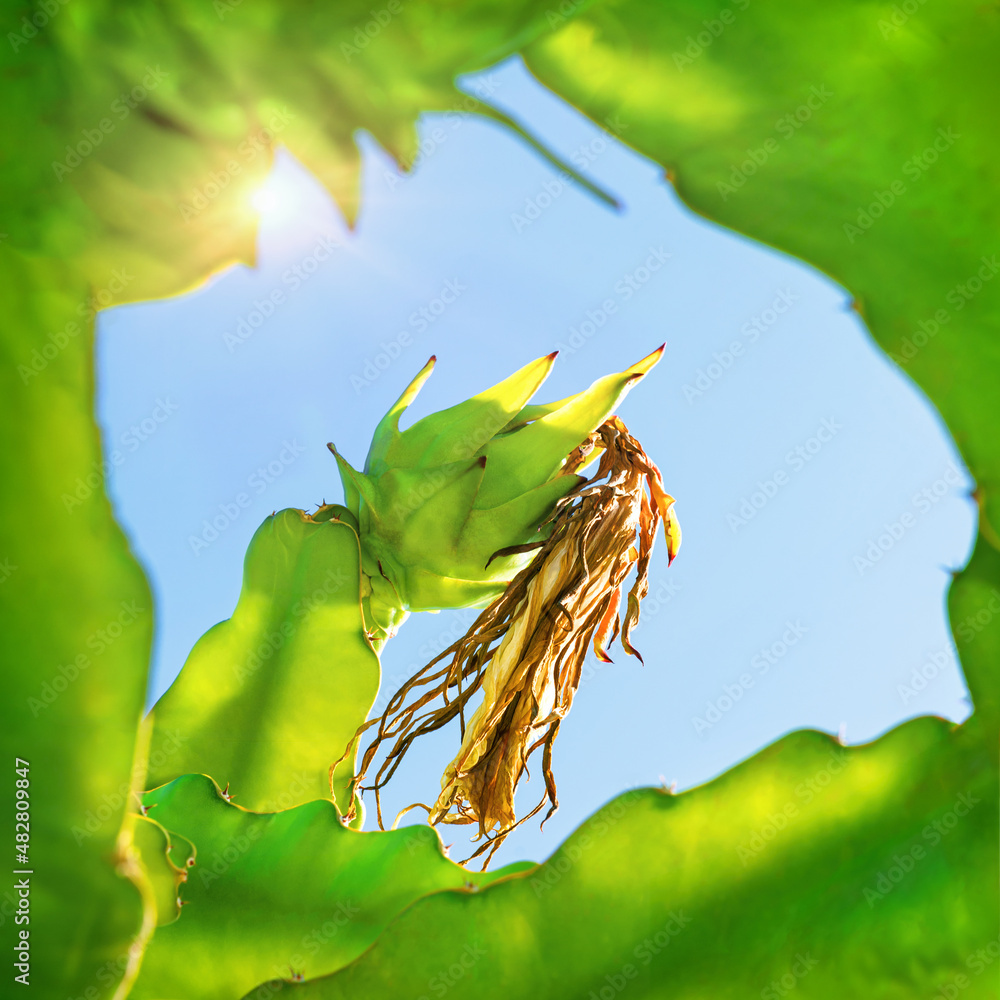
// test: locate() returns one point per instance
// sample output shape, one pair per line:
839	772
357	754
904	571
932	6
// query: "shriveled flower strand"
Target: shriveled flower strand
525	652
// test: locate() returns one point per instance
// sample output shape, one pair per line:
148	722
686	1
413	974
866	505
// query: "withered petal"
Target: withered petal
525	652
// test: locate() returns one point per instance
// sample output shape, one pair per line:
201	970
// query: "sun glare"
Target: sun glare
276	199
264	200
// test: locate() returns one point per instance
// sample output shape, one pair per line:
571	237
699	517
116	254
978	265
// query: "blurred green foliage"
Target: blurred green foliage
856	135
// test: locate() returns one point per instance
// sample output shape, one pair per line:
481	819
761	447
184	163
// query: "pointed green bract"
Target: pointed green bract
489	530
456	433
535	449
270	699
387	432
439	499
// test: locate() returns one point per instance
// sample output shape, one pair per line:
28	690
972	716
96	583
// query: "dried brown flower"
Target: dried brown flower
526	650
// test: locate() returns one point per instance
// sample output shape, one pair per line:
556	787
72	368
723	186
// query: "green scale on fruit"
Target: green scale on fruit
436	501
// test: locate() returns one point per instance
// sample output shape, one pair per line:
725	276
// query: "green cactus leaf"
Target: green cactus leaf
137	141
869	134
859	136
154	207
810	865
157	850
269	700
76	620
273	893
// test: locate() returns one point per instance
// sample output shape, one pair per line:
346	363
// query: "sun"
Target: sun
265	200
277	199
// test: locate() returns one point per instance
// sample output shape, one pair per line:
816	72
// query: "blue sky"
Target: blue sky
796	457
